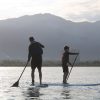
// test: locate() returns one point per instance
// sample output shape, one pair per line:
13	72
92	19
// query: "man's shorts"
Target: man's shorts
36	62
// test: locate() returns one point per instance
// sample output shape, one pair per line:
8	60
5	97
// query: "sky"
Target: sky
74	10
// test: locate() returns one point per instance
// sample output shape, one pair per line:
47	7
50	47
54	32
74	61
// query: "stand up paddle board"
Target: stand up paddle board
39	85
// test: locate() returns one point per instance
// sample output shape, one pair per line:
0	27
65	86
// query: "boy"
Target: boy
65	62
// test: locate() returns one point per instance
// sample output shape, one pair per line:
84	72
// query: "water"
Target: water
51	75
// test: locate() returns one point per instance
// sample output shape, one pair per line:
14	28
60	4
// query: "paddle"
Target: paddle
16	84
71	67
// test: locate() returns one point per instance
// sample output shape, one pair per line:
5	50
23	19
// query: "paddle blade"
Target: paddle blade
16	84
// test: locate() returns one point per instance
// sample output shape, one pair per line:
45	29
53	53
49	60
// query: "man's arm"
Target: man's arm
29	53
40	45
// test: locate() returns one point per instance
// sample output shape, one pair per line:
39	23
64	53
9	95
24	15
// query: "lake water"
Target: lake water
79	90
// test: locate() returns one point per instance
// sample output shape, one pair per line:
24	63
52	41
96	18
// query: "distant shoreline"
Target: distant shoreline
48	63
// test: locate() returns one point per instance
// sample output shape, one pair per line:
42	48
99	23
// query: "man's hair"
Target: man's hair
31	38
66	47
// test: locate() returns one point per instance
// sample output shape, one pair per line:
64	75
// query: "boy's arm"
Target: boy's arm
71	53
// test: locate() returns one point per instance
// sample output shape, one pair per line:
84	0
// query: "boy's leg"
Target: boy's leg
64	80
65	77
65	71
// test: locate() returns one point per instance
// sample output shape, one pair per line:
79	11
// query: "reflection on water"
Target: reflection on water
47	93
32	93
66	93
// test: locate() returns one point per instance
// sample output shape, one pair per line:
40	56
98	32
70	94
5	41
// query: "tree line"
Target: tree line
47	63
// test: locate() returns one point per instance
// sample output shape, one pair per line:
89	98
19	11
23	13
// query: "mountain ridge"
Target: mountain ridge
52	31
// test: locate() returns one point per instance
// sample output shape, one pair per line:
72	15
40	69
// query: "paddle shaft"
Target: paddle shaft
23	71
71	68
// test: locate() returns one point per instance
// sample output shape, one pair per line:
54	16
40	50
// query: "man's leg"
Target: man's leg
32	75
40	74
39	68
32	72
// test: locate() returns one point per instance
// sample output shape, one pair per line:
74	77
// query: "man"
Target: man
65	62
35	52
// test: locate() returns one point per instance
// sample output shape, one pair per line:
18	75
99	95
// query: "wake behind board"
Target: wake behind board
38	85
66	85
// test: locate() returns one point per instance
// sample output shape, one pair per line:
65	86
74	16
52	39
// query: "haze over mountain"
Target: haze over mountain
52	31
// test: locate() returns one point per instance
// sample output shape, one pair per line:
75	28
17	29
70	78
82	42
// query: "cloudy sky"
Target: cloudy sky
74	10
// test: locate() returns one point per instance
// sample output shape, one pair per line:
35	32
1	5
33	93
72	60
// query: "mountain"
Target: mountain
52	31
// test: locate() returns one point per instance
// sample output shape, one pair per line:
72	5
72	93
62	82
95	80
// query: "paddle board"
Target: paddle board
65	85
38	85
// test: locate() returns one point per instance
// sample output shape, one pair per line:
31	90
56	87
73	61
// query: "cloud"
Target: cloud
75	10
87	10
